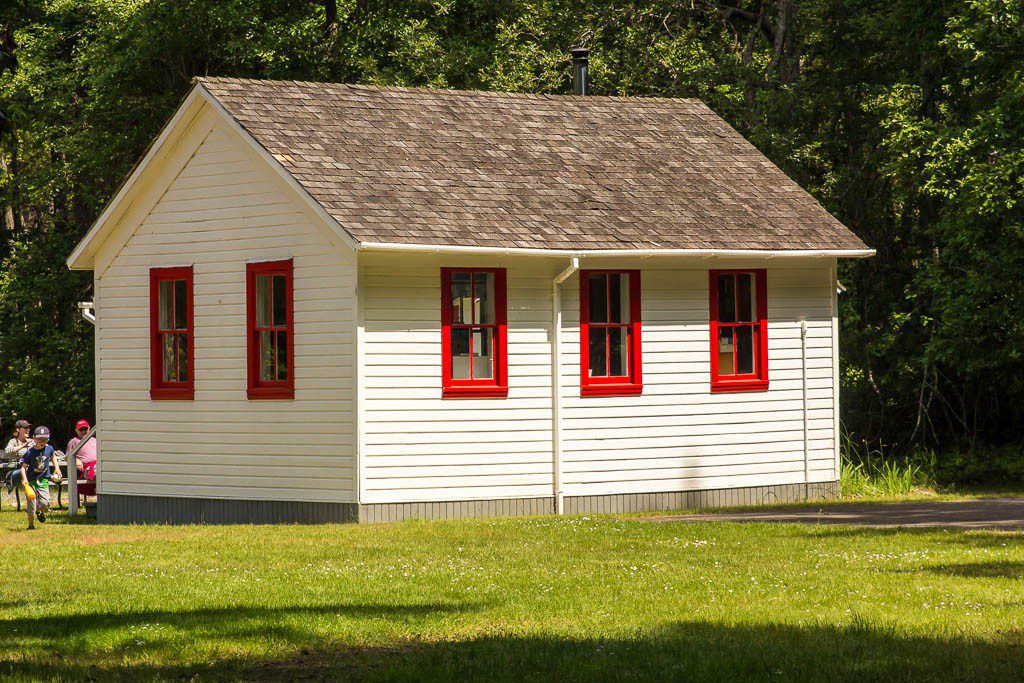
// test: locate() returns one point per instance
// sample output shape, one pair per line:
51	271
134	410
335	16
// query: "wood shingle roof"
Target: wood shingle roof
456	168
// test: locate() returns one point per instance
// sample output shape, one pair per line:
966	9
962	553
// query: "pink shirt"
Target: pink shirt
88	453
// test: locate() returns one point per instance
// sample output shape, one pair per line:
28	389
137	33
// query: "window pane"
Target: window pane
725	352
483	353
617	353
598	297
262	300
745	287
598	350
180	305
165	303
461	295
168	355
282	355
744	350
618	283
483	290
279	301
183	369
460	353
726	298
267	356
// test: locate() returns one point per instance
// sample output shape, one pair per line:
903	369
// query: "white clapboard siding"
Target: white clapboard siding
224	209
417	446
679	436
420	447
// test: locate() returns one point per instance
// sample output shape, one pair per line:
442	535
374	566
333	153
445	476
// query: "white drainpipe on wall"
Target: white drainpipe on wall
88	311
803	378
556	382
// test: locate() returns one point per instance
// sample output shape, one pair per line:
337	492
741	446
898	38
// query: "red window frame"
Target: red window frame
160	389
497	385
758	380
632	383
259	388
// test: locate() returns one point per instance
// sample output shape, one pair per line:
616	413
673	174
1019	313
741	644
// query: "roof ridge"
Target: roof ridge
212	80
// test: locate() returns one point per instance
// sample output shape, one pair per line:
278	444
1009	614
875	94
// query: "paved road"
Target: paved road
988	513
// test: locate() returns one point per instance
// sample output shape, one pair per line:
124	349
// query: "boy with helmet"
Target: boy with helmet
38	465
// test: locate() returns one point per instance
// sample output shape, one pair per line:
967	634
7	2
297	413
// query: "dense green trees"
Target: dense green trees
903	117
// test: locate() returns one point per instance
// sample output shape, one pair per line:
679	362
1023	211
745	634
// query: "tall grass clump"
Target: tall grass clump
867	471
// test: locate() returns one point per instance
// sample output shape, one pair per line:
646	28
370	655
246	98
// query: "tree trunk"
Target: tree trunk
11	223
786	47
6	208
330	16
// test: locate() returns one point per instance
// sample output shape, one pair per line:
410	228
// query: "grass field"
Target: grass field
576	599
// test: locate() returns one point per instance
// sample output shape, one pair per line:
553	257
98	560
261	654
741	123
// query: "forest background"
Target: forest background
905	118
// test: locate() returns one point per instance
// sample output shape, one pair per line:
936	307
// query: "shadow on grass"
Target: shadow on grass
76	520
221	622
972	538
691	651
17	521
839	533
1005	569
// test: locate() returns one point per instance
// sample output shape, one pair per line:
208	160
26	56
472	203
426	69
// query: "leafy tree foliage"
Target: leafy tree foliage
904	118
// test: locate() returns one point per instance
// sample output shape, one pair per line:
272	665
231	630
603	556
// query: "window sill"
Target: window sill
736	387
612	390
271	393
474	392
172	394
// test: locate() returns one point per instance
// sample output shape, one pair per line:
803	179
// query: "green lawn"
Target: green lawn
578	599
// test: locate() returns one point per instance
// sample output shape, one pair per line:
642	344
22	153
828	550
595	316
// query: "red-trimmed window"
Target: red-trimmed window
610	332
739	330
171	326
269	315
474	332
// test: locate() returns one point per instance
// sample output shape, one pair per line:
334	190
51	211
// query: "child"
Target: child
38	465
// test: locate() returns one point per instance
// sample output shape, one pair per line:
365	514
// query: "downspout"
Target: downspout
837	288
556	382
803	379
88	311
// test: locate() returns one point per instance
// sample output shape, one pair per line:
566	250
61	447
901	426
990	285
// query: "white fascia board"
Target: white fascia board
81	257
758	253
261	151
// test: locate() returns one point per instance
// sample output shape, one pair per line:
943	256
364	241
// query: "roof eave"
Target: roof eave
82	256
758	253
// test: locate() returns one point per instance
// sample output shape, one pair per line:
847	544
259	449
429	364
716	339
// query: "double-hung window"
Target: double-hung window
474	332
271	347
171	325
739	330
610	359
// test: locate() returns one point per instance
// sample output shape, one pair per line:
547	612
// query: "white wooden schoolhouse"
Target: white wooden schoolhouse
322	302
